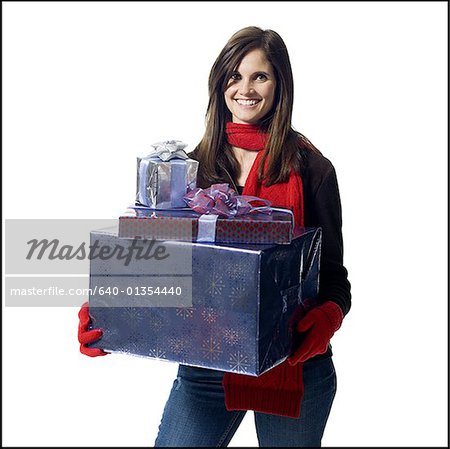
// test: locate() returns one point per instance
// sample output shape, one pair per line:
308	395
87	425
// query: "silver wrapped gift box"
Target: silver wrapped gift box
165	175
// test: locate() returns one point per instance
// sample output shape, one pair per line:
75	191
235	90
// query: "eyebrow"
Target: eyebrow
259	72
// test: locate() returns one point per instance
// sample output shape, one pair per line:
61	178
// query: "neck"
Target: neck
244	156
245	159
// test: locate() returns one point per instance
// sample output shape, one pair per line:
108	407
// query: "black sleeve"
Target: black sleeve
323	209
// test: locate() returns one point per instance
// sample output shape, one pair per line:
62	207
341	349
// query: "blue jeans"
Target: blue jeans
195	413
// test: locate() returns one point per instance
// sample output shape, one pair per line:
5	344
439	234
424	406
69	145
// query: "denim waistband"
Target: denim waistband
200	374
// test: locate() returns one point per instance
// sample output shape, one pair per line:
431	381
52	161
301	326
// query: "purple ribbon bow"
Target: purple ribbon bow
221	199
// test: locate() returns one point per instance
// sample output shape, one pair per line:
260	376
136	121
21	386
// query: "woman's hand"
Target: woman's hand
86	336
319	325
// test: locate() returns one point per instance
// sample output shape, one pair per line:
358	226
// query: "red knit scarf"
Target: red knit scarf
287	194
280	390
248	137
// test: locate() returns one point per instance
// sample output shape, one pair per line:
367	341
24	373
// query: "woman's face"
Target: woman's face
251	89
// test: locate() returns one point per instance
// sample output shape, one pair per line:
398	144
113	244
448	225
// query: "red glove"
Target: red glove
320	324
86	336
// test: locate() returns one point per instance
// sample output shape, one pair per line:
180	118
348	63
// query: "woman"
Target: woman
249	143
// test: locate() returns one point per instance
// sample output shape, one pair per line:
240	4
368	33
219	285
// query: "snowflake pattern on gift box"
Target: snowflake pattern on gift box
209	315
185	312
178	346
156	323
238	295
231	336
238	362
157	353
237	271
134	315
211	349
216	284
135	341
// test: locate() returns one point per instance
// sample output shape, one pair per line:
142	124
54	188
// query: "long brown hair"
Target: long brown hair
284	146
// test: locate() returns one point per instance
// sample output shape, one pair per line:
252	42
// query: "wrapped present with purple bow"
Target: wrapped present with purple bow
165	175
216	214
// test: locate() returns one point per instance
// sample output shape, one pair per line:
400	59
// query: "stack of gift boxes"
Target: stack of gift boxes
205	277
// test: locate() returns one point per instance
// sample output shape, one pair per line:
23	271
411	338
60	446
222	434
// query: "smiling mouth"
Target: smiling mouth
246	102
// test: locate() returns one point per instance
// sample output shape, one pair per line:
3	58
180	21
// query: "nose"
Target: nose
245	86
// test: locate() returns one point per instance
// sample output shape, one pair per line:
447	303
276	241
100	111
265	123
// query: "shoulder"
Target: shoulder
313	164
311	160
316	170
316	164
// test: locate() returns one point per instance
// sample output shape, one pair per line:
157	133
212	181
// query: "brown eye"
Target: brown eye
261	77
235	77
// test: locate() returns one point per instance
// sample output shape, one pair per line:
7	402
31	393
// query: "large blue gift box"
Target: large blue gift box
229	307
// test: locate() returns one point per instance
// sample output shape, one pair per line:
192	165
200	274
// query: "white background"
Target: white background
89	86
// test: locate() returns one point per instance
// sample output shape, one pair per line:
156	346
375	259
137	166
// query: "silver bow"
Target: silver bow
170	149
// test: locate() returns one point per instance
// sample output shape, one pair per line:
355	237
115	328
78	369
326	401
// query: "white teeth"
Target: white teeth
247	102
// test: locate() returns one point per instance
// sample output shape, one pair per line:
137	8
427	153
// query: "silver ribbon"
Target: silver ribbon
207	228
170	149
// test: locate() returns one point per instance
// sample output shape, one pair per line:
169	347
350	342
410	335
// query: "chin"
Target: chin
248	120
